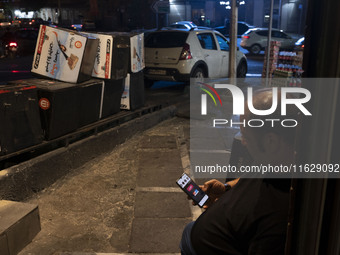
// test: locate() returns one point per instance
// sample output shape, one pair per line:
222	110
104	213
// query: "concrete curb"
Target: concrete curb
19	182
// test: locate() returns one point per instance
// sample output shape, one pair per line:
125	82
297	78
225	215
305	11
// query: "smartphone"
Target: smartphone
192	189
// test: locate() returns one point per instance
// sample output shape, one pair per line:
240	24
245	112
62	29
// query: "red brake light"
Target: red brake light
185	54
246	36
13	44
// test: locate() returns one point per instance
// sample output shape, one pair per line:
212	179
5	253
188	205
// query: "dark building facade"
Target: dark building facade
123	15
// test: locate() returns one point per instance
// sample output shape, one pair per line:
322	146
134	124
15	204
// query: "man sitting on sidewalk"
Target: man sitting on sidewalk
250	218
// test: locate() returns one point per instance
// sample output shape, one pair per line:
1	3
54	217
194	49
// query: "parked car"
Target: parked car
242	27
255	39
5	23
184	24
8	44
300	44
36	22
179	54
22	22
77	27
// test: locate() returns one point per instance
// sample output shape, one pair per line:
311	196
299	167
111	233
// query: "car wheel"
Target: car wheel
198	73
242	69
255	49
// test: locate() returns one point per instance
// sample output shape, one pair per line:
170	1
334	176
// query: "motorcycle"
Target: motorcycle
11	49
8	44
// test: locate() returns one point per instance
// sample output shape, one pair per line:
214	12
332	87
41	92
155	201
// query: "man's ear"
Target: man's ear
271	143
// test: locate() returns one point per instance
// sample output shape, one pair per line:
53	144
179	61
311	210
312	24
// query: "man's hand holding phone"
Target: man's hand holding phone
214	189
204	195
192	190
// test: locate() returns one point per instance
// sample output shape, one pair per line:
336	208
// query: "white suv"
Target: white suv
177	55
255	40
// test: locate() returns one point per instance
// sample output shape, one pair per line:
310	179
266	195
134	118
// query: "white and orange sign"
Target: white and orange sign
59	54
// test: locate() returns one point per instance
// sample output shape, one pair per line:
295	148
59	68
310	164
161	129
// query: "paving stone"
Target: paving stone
162	204
91	211
19	224
153	235
159	169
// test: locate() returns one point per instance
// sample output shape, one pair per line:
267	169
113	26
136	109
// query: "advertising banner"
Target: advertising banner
103	60
64	55
137	53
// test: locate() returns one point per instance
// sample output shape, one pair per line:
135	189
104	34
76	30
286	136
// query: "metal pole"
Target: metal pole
279	17
233	42
269	39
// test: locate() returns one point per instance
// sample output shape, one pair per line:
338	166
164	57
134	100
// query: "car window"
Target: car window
277	34
177	26
262	32
283	35
207	41
166	39
223	43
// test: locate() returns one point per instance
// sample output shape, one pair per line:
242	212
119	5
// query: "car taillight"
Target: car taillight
13	44
246	36
185	54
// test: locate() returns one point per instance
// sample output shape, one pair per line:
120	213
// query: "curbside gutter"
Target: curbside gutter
21	181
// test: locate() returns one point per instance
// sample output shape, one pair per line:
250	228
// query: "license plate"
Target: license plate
157	71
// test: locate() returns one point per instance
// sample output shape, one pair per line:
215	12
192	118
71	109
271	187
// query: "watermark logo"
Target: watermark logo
239	99
301	97
204	97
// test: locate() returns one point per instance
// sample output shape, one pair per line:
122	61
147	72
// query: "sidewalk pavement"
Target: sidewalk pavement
121	202
118	197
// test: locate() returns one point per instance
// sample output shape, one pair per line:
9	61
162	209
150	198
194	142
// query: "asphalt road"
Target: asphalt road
15	68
